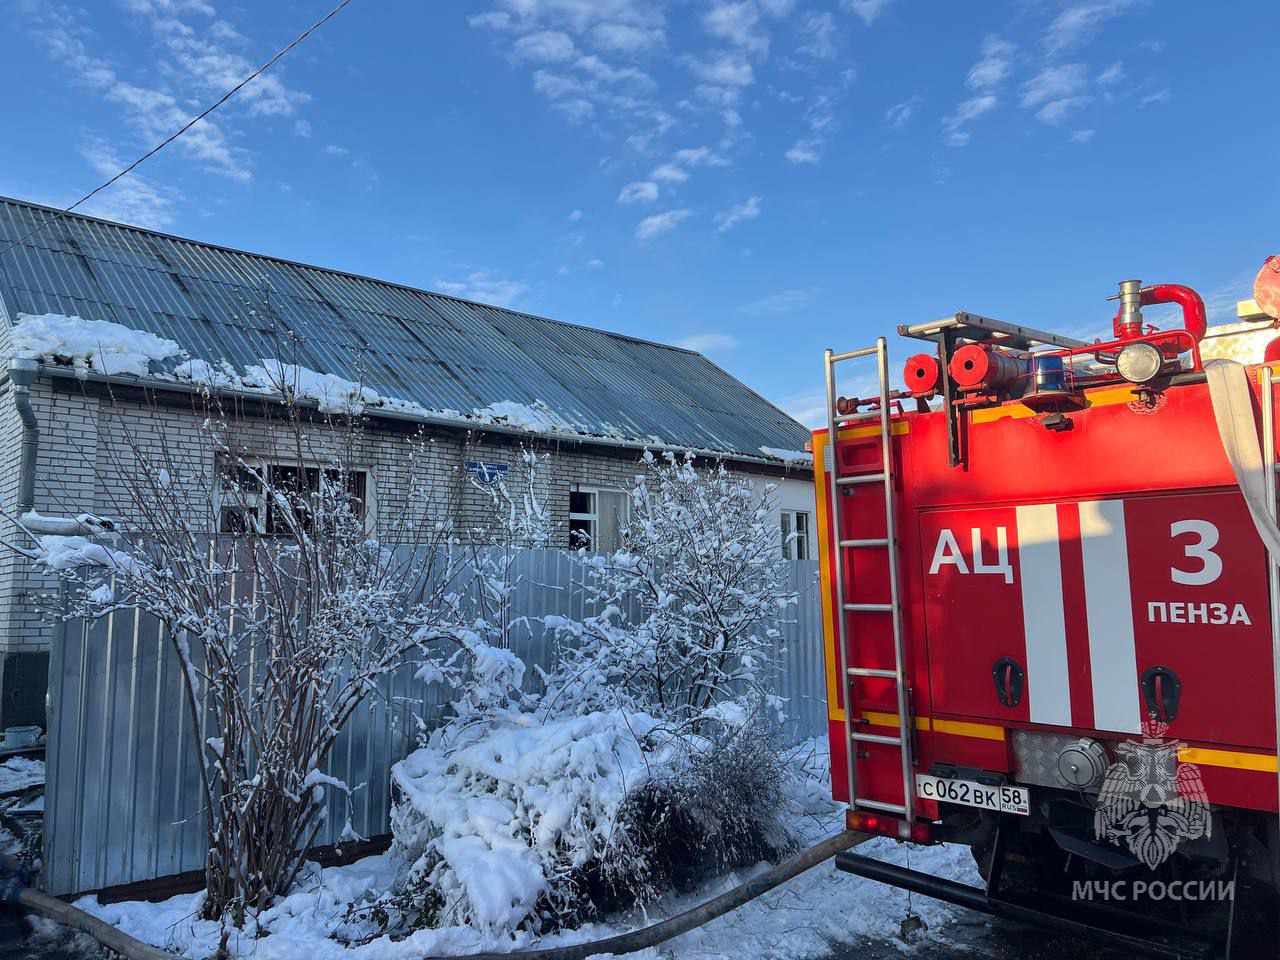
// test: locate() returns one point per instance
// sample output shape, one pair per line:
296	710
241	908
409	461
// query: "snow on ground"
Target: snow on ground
799	920
98	345
20	773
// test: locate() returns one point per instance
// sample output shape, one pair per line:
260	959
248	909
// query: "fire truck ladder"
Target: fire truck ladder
852	673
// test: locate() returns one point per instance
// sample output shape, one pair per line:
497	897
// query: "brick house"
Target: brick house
478	382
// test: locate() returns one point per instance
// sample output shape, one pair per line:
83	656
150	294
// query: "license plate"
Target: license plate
1003	798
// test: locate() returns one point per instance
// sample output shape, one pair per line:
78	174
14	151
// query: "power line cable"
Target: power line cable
185	127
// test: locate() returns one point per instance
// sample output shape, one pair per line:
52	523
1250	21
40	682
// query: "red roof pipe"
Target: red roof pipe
1194	318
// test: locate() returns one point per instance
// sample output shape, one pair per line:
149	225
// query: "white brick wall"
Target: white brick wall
85	458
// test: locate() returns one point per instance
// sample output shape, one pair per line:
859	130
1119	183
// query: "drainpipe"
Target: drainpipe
22	374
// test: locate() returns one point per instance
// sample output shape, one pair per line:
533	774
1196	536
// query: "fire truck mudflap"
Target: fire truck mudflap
1049	626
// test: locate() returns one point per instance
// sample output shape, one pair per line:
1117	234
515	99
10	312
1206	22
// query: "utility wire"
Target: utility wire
185	127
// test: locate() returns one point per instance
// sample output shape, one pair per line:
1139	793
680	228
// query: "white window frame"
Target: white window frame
255	504
799	548
593	518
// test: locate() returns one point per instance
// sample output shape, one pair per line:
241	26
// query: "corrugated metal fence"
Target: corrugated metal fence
123	799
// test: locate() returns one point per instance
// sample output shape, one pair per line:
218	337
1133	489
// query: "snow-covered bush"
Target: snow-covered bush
502	825
686	613
652	757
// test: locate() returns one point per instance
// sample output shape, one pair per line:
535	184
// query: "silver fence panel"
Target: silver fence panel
123	800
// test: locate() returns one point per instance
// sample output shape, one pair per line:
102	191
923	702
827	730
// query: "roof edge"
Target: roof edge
176	386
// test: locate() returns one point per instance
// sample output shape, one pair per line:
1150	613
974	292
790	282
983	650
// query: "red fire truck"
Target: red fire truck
1050	623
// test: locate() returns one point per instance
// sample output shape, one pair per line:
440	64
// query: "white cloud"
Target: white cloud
302	128
1160	96
1082	136
787	301
207	59
737	23
496	20
971	109
1055	111
623	38
1078	23
575	215
576	110
957	138
628	76
805	151
818	31
659	223
485	288
669	173
1112	75
1055	83
699	157
994	67
722	69
191	65
555	85
336	151
595	264
809	408
899	115
868	10
546	46
640	191
747	210
708	342
777	8
131	199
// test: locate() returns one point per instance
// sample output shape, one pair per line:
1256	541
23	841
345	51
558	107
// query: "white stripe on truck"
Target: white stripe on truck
1043	620
1109	610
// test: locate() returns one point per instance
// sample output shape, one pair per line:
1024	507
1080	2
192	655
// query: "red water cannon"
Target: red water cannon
1128	324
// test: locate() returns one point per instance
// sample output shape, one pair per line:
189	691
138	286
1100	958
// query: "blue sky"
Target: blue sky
759	179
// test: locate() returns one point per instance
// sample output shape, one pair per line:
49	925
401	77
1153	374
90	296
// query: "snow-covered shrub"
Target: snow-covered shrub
651	759
502	825
719	806
686	613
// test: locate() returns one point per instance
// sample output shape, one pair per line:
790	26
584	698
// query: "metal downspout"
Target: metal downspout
22	374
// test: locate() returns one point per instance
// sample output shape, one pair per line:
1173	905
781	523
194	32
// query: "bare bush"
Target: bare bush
282	598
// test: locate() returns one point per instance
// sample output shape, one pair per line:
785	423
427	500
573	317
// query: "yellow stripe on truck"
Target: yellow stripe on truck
954	728
1260	762
834	710
1016	411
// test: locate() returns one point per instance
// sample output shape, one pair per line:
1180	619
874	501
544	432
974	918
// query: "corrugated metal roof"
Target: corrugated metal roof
438	351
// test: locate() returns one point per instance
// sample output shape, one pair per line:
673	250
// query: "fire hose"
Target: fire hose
672	927
15	890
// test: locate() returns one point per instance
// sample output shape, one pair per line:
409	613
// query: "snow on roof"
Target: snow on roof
98	346
788	456
229	309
